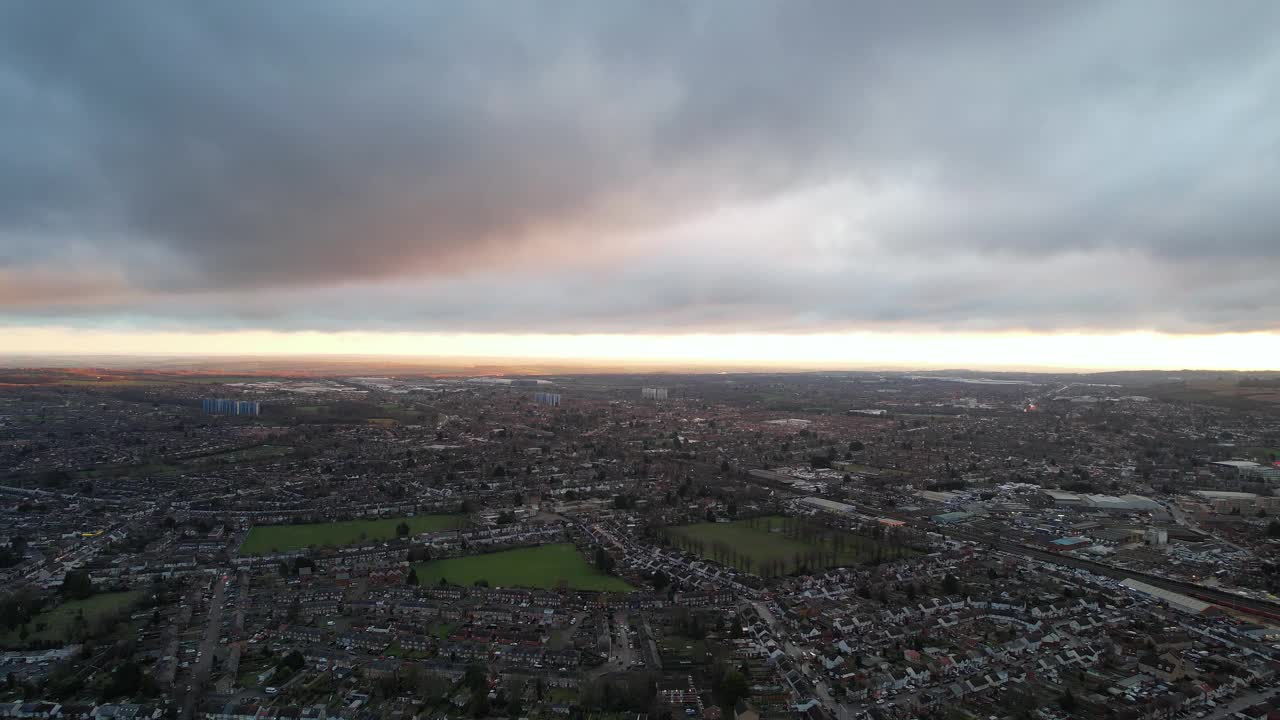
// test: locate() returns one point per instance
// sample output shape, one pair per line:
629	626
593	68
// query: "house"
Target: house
382	669
1166	666
39	710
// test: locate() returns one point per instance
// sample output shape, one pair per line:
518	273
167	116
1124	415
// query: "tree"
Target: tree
951	584
128	680
402	530
17	608
77	585
412	577
476	678
293	660
1068	701
733	686
604	561
660	580
79	626
1273	529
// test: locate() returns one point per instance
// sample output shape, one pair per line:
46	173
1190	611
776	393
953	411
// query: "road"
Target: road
1180	518
837	710
655	656
1241	703
623	647
204	662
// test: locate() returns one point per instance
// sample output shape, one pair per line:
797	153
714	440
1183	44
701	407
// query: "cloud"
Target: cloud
608	167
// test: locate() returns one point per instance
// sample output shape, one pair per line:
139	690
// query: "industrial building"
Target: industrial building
1103	503
938	496
1177	601
951	518
830	506
1225	502
1122	504
1249	471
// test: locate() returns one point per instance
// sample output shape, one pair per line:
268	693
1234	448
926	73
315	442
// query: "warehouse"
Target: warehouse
1177	601
831	506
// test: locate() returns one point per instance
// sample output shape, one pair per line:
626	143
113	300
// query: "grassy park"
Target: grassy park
58	624
545	566
778	545
283	538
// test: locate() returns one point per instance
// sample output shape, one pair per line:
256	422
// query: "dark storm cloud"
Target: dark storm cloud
456	166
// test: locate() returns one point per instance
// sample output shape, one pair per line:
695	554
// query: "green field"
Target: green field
679	650
179	465
440	630
765	546
1263	454
257	452
59	622
283	538
545	566
154	469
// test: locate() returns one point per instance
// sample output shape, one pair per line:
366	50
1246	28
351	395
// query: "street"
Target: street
204	661
801	662
1241	703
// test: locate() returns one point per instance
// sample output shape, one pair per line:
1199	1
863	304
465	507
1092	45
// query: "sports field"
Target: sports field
58	624
283	538
777	545
545	566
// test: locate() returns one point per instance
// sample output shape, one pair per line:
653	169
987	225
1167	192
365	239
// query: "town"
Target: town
834	546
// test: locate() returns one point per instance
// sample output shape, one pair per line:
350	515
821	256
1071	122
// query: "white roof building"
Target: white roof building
1177	601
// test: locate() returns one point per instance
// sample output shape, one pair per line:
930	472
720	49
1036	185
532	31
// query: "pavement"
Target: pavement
1181	518
838	710
1240	703
203	665
656	657
622	648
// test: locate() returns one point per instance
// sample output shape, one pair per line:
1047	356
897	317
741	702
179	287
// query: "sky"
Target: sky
1084	184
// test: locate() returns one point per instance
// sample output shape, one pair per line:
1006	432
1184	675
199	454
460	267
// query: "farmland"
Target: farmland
283	538
545	566
777	545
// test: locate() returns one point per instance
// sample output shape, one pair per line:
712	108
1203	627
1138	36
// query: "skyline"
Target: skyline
1082	186
1005	352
